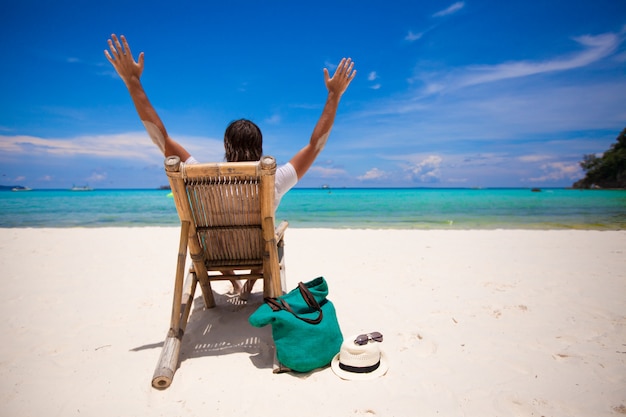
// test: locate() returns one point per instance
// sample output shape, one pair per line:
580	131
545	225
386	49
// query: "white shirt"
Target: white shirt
286	178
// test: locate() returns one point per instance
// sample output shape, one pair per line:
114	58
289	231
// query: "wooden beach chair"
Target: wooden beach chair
226	212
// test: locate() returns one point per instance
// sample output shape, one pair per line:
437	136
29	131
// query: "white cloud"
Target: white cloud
534	158
468	167
457	180
274	119
133	145
327	172
136	146
97	176
555	171
450	10
422	169
595	48
372	76
412	37
373	174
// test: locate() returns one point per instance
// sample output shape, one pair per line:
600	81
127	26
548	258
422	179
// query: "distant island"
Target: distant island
607	171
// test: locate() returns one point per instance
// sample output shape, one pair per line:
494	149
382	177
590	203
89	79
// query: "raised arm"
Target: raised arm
130	72
336	86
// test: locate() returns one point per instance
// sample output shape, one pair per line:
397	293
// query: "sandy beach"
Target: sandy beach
475	323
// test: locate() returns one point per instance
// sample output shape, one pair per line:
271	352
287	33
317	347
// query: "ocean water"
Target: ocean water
338	208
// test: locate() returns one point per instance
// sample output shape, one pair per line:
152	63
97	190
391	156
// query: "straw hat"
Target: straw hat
359	362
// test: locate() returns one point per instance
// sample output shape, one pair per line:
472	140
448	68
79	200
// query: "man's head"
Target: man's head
243	141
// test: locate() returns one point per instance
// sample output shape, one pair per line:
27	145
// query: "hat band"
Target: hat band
359	369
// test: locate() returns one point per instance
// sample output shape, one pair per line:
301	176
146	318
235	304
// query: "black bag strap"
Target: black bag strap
277	304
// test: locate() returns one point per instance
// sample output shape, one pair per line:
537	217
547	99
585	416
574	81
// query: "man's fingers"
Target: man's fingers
345	68
326	75
126	47
340	66
112	57
350	65
118	45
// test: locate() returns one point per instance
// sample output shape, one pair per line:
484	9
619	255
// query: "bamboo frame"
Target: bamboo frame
227	223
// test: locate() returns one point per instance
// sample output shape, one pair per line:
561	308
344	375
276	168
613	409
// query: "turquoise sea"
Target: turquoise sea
338	208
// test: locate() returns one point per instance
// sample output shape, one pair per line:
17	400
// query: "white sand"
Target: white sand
476	323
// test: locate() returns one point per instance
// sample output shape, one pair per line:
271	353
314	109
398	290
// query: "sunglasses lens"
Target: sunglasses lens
361	340
377	337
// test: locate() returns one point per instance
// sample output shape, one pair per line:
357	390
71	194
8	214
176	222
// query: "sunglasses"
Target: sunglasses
363	339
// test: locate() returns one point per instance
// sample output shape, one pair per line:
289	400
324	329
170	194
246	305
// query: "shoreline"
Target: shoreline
166	188
476	322
513	228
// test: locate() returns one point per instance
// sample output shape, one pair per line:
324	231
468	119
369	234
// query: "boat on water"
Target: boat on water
21	189
83	188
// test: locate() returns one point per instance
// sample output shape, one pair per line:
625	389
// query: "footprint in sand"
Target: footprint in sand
497	312
567	357
513	404
418	344
620	409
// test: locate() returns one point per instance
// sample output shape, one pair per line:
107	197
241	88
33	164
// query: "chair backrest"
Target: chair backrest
230	209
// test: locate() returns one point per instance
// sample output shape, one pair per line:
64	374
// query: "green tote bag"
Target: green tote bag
304	326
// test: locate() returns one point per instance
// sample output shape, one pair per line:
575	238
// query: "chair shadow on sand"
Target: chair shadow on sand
225	330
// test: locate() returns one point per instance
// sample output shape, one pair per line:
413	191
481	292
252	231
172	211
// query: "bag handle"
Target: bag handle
277	304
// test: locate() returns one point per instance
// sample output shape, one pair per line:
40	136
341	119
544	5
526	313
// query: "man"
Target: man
242	139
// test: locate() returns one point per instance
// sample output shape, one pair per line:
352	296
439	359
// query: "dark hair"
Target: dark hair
243	141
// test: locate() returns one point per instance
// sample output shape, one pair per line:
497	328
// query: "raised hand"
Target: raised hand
122	59
340	81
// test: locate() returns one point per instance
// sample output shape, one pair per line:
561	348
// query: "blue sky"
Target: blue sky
475	93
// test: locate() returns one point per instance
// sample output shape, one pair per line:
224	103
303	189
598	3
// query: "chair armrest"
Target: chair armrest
279	232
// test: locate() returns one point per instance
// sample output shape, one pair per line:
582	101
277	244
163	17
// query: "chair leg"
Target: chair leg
207	292
168	361
205	284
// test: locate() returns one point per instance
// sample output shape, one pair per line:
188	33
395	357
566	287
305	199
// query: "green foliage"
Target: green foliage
607	171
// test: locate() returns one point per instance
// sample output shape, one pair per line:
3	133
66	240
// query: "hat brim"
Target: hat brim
355	376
